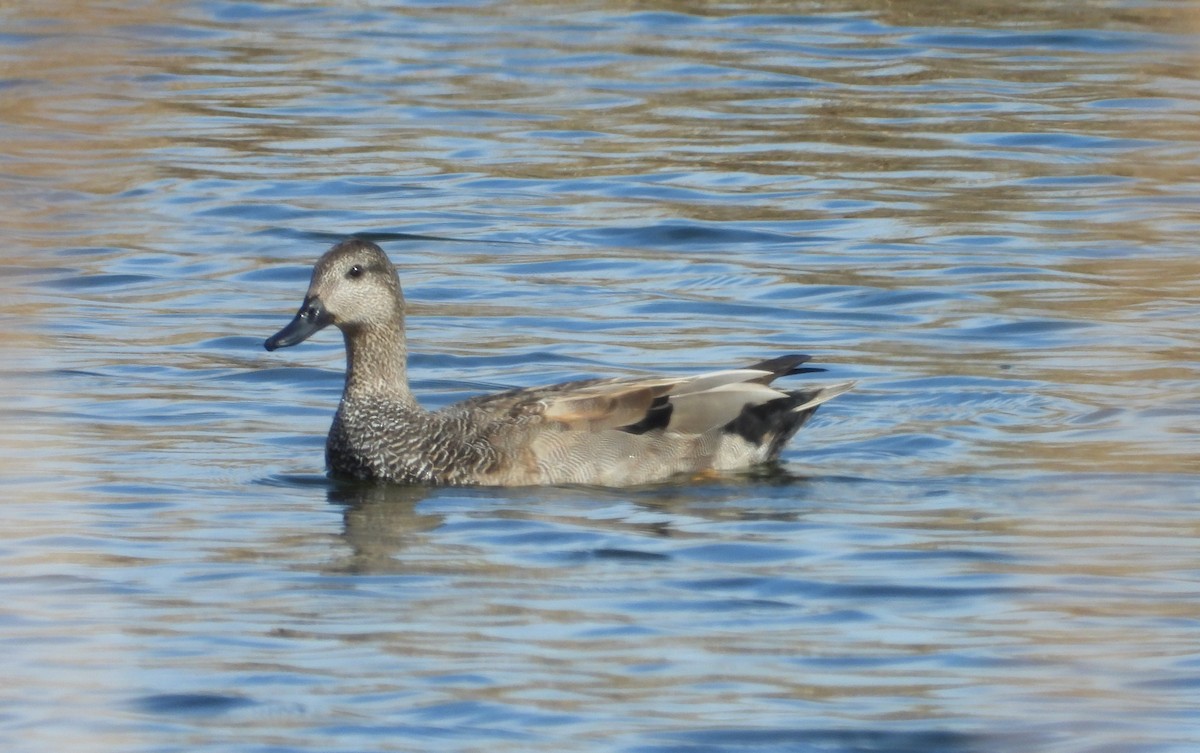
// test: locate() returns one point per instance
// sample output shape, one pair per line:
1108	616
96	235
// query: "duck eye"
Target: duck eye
355	271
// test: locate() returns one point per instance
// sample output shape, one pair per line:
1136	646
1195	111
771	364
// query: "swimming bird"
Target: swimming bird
611	432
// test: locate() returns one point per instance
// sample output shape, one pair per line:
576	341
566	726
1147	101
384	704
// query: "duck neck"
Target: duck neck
377	363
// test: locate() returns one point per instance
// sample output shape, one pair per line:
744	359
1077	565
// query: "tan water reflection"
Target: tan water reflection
995	233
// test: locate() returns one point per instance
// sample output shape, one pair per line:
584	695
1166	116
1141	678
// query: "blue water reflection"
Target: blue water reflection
986	215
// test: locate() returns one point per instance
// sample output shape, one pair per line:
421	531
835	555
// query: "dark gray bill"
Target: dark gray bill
311	318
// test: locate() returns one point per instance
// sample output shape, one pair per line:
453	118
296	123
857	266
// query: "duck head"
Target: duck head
353	286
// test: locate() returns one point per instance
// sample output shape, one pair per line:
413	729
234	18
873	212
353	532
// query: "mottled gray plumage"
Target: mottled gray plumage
611	432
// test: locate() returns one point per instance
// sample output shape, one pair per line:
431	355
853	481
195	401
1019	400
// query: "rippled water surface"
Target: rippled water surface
986	213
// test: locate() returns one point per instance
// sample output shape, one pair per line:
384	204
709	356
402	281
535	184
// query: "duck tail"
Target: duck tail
770	425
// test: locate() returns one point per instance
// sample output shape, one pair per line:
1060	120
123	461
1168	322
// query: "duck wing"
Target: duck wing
637	405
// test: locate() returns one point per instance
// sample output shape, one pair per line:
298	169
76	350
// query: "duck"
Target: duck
613	432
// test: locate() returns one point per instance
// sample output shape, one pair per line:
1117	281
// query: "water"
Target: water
987	215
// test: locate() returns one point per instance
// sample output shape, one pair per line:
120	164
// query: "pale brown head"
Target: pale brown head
354	286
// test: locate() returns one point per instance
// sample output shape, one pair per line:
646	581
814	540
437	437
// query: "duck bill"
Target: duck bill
310	319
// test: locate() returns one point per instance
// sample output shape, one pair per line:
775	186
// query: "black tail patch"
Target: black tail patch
774	422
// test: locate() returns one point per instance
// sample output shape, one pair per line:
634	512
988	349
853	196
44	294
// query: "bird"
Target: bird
613	432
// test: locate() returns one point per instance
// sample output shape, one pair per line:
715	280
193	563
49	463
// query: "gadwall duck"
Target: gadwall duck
610	432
